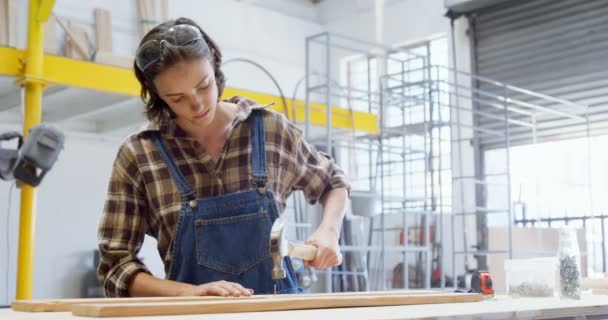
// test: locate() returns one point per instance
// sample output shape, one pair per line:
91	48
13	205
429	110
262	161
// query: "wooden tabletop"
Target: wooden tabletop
499	308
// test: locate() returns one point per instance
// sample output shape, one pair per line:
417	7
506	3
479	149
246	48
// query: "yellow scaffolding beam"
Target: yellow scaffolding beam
89	75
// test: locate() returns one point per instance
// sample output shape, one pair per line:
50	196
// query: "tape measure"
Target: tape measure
481	282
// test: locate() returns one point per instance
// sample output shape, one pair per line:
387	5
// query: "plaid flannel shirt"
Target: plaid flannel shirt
143	199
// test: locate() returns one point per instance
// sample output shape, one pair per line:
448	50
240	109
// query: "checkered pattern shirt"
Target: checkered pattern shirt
143	198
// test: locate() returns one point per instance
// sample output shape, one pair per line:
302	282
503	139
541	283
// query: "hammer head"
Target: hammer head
278	248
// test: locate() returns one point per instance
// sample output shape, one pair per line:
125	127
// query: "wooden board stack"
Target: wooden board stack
103	34
3	23
76	41
50	36
103	30
147	15
152	13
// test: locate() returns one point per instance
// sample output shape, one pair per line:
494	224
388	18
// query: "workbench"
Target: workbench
500	307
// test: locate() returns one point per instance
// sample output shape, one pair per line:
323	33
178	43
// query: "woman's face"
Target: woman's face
190	90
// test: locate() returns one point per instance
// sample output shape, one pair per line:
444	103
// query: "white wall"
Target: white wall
241	30
69	204
404	20
8	230
245	31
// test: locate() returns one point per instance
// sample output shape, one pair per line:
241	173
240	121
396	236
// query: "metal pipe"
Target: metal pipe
603	244
509	87
589	162
439	233
417	100
329	276
515	88
489	103
272	78
307	92
360	42
460	167
508	168
328	97
428	175
34	85
382	195
404	227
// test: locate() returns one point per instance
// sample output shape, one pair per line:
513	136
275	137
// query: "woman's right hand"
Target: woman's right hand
217	288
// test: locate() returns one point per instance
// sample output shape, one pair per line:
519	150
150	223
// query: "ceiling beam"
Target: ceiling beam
14	98
300	9
125	120
92	102
117	106
12	119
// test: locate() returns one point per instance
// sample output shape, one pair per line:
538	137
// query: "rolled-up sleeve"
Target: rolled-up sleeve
122	227
317	171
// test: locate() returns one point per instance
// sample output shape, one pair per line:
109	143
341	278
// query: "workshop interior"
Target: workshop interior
473	135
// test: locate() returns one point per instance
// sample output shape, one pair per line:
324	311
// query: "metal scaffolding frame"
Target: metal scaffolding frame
426	164
485	115
403	147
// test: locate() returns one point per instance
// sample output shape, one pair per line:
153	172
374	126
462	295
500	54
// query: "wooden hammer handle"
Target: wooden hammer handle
303	251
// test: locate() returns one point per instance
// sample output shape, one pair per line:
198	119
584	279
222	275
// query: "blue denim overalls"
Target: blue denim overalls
227	237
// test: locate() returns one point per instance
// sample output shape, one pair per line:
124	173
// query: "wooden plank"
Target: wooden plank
73	47
499	308
276	303
103	30
164	10
600	291
114	60
152	15
148	16
142	6
63	305
51	45
13	22
76	42
594	283
3	22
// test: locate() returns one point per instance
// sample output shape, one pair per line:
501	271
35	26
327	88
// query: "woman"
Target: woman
207	178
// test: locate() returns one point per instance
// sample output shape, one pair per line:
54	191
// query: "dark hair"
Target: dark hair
156	109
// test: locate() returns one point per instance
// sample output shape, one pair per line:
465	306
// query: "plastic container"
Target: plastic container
533	277
365	203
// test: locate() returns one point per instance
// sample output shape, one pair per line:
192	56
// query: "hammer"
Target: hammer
280	247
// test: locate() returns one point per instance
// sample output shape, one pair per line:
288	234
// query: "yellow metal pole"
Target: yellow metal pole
34	85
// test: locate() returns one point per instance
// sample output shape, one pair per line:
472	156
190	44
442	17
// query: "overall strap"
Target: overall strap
258	150
184	188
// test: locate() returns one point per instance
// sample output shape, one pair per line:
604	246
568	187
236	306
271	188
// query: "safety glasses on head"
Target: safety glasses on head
181	35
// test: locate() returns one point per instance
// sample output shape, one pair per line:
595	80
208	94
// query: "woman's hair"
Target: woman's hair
156	109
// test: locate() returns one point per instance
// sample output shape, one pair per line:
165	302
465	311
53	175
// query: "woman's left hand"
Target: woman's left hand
328	248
